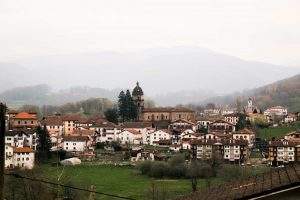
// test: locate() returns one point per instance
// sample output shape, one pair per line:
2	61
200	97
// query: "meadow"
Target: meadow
123	181
277	132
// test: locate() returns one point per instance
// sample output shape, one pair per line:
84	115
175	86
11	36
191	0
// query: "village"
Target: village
158	133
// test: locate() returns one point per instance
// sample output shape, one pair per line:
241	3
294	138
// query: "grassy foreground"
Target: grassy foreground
124	181
277	132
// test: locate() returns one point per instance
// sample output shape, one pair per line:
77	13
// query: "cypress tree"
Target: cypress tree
122	105
44	144
131	108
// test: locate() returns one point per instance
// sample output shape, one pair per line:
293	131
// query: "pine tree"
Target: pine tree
242	122
44	144
128	100
122	105
131	108
111	115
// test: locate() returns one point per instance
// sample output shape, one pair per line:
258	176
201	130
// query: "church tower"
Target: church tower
250	103
138	97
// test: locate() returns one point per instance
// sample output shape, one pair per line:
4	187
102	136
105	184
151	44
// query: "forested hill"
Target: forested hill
43	95
285	92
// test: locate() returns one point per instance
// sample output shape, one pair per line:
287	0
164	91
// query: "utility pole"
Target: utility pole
2	148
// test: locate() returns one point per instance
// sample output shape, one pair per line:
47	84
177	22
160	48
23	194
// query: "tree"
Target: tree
131	108
112	115
241	124
44	144
210	106
122	105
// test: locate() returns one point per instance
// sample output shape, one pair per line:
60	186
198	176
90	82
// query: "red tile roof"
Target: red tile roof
25	115
23	150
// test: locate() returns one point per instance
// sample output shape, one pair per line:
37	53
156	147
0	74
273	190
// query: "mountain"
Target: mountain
43	95
159	71
285	92
170	76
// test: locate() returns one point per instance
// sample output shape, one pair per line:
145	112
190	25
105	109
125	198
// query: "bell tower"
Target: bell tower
138	97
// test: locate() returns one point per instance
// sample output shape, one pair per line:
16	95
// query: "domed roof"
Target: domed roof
137	91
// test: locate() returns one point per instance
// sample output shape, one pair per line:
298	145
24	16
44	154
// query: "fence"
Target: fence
19	187
251	187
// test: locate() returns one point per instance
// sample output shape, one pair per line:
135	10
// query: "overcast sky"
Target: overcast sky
262	30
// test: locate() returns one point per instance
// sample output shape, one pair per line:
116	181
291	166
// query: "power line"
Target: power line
66	186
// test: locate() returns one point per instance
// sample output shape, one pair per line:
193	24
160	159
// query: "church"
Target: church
155	114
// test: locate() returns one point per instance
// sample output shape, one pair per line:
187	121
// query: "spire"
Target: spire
137	91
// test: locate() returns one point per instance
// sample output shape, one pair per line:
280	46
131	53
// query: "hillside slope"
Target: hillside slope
285	92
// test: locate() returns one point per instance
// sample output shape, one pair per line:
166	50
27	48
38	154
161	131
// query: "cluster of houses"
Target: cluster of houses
213	133
20	140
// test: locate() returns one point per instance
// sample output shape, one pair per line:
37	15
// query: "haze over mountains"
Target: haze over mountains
164	73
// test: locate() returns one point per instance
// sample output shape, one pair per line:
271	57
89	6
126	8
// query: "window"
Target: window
66	147
31	122
74	144
18	159
27	158
74	148
66	143
19	122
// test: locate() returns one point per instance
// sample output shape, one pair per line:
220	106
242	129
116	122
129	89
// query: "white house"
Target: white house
232	118
276	110
75	143
105	131
245	134
159	135
130	136
54	125
290	118
21	138
186	144
21	157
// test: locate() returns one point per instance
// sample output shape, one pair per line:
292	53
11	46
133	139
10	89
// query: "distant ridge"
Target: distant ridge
285	92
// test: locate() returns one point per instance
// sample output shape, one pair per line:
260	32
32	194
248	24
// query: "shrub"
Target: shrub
145	167
159	169
100	145
176	171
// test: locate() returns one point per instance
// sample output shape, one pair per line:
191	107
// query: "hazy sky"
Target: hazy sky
262	30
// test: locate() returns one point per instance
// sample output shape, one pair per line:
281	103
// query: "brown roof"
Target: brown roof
244	131
231	142
72	117
137	125
133	131
209	118
23	150
183	121
25	115
15	132
12	112
75	138
83	132
167	109
231	115
53	121
280	143
222	121
204	142
105	124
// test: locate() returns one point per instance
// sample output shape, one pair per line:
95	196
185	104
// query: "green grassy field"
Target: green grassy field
124	181
277	132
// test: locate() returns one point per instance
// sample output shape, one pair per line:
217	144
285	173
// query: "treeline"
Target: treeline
93	106
177	167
